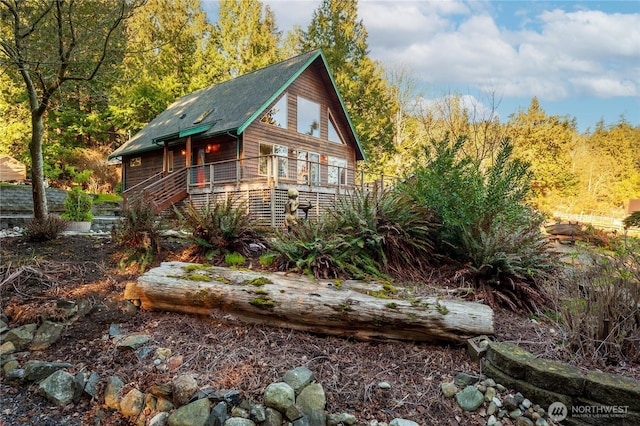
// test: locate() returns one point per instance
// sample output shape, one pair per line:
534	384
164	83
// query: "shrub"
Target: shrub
221	228
138	232
599	306
234	259
485	221
366	234
45	230
78	206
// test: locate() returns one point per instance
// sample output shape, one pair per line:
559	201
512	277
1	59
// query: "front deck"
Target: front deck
261	182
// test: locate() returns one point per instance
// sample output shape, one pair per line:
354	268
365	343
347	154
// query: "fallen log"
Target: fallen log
367	311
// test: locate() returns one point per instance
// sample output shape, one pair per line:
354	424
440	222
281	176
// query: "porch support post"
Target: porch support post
165	156
187	160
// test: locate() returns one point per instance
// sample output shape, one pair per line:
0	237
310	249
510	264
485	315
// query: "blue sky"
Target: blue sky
581	59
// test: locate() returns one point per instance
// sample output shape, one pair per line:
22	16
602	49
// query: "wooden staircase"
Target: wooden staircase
162	192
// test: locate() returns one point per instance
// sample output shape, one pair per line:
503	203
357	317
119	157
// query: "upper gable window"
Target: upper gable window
333	134
277	116
308	117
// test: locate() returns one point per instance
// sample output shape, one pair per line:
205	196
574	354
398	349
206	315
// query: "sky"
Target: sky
581	59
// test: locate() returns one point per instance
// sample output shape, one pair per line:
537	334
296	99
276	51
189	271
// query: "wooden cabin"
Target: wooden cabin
252	138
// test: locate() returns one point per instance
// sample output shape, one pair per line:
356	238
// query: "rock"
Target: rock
298	378
218	415
163	404
541	422
523	421
174	362
21	336
239	412
489	394
35	371
14	375
162	353
464	379
497	401
10	365
448	389
492	408
239	421
469	399
490	383
7	348
402	422
46	335
384	385
519	398
500	387
341	419
183	387
91	385
161	390
257	413
510	403
132	404
3	326
193	414
312	401
58	388
280	396
273	417
491	421
113	392
131	342
160	419
114	330
526	403
514	414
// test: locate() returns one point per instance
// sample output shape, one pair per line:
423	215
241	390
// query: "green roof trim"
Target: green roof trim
195	130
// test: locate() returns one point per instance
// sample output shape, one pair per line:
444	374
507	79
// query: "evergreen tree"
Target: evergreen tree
343	38
246	37
167	41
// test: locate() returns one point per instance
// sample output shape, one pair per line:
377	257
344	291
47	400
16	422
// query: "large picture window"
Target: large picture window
337	171
270	153
277	116
308	117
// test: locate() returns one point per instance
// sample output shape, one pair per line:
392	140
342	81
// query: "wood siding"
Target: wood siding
138	167
311	86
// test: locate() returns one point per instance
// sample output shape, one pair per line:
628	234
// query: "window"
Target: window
308	167
337	171
277	116
308	117
267	153
333	134
135	162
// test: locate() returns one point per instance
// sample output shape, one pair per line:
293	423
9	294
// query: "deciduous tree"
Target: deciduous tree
49	43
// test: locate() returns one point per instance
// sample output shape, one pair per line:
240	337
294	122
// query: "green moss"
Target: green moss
261	291
263	303
234	259
442	310
196	267
222	280
391	305
337	284
259	281
341	308
196	277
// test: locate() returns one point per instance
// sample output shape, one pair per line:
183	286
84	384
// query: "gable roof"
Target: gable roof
226	107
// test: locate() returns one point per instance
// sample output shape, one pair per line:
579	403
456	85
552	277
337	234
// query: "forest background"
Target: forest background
169	49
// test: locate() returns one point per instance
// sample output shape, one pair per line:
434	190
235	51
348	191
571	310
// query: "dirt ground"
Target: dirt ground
220	350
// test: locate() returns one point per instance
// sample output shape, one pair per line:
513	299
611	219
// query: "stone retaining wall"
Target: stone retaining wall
594	398
18	200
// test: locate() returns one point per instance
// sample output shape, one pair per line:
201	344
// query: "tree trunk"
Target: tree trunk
350	308
40	208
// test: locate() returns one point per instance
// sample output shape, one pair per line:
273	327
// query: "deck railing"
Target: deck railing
274	170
